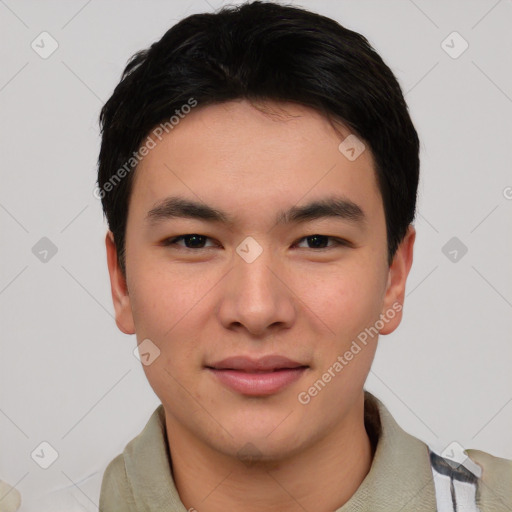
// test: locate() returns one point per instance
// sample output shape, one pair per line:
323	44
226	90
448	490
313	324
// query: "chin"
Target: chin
259	448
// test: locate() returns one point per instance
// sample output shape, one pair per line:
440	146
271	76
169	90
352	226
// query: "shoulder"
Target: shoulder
115	492
495	483
472	477
129	475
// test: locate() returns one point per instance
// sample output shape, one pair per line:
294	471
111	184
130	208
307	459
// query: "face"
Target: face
284	254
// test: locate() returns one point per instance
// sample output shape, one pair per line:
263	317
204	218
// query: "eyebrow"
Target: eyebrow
330	207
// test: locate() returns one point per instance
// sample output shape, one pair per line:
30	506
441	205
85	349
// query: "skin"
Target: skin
200	305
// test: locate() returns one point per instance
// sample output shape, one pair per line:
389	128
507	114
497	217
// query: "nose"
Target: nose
257	297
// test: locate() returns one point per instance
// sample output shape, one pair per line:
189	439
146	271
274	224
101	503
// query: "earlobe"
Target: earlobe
397	278
119	289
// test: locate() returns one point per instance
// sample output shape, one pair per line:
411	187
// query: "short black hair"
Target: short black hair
261	51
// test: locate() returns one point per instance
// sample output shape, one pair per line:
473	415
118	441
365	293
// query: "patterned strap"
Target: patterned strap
455	485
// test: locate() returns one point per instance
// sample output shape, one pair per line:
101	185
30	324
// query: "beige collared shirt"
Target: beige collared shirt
400	477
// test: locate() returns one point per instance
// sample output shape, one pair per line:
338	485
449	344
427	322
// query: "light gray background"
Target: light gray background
69	377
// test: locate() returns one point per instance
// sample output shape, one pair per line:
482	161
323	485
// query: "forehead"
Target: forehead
248	155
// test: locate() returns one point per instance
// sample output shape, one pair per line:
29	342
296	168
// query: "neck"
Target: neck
322	477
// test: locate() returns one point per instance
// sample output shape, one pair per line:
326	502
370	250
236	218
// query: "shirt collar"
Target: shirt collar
400	477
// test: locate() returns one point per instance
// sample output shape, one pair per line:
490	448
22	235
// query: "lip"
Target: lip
257	377
248	364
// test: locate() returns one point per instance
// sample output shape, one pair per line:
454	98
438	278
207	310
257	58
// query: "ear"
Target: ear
397	277
120	297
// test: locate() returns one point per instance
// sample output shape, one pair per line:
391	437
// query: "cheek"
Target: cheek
345	300
165	309
160	299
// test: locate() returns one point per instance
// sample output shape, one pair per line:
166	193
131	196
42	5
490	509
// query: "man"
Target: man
258	171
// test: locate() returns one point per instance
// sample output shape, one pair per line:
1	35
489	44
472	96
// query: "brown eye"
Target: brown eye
320	241
191	241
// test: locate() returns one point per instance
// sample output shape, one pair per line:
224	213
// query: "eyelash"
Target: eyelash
338	242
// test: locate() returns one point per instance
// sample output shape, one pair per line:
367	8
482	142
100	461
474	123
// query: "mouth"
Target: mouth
257	377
